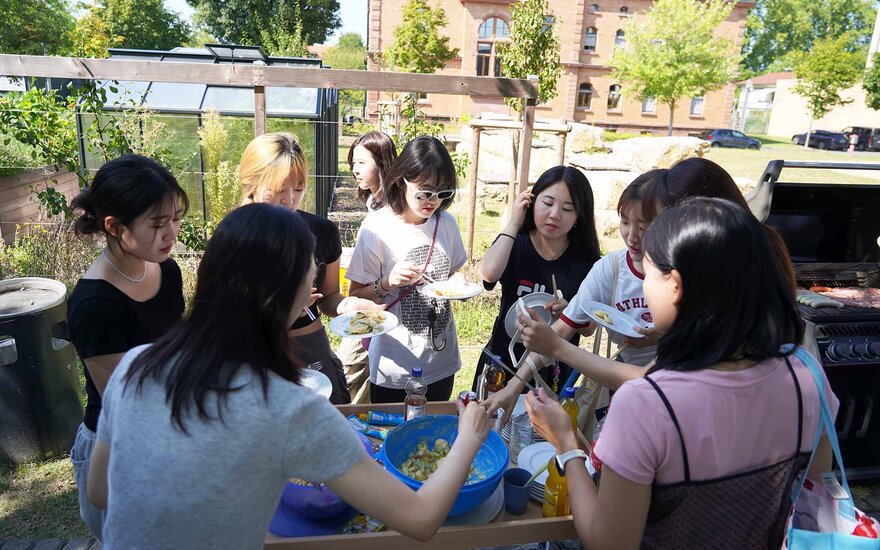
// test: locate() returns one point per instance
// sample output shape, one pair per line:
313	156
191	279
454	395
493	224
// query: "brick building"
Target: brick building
588	31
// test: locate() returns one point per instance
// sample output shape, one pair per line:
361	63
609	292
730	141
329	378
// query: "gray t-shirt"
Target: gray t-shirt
218	486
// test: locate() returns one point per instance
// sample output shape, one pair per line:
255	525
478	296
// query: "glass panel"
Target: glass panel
486	30
594	8
614	97
305	132
230	100
620	39
585	96
294	101
502	31
128	93
697	106
648	105
484	48
590	40
482	65
175	95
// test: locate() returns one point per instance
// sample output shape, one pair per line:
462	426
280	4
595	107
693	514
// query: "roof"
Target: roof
770	79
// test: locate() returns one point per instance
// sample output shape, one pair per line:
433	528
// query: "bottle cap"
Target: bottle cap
363	416
417	372
568	392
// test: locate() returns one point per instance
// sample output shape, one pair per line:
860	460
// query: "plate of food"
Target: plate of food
452	290
612	319
363	324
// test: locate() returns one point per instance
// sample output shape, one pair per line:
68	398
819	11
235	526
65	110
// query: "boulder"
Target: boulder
648	153
584	138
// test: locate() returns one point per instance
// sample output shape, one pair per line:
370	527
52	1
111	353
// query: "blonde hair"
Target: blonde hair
267	161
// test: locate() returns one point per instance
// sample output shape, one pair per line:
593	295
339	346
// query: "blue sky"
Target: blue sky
352	12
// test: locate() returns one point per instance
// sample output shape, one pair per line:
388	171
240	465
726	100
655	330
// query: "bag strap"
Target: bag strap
405	293
845	508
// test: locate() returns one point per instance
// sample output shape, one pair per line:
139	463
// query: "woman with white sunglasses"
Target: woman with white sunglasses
410	238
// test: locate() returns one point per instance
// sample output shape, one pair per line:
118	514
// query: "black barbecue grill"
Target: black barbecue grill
831	231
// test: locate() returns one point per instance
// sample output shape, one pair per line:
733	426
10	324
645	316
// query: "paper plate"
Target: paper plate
620	323
534	301
317	382
462	290
482	514
534	457
339	325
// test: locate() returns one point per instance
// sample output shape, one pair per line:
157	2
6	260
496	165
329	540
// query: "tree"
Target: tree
823	73
282	38
531	50
348	53
871	84
418	46
672	52
242	21
91	36
35	27
780	32
144	24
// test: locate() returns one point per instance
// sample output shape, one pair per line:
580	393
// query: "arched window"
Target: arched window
624	9
590	39
593	8
491	30
585	96
614	97
620	39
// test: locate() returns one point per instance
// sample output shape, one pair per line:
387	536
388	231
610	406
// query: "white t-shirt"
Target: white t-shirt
417	341
629	299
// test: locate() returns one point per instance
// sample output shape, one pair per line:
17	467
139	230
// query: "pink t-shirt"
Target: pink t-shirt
732	422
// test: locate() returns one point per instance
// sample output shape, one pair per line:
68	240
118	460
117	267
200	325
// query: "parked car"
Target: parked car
823	139
869	138
725	137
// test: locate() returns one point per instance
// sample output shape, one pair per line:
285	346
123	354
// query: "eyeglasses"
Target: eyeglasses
428	195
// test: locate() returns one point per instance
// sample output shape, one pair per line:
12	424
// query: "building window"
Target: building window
620	39
614	98
549	21
491	30
624	9
594	8
590	39
649	105
697	106
584	97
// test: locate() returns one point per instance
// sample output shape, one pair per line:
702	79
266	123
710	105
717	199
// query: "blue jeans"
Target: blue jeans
81	455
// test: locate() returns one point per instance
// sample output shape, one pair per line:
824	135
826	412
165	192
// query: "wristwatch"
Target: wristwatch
562	459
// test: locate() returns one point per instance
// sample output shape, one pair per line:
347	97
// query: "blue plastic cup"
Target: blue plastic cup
516	492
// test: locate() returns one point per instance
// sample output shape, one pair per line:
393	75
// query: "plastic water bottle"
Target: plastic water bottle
520	434
415	404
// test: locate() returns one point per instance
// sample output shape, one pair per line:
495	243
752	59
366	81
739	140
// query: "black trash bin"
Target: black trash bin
40	406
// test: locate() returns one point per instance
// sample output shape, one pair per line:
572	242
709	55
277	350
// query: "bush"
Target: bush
47	250
15	156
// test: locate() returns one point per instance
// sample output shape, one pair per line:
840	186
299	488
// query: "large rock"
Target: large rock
648	153
584	138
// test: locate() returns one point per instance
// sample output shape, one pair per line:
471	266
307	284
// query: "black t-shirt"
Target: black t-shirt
328	249
527	272
103	320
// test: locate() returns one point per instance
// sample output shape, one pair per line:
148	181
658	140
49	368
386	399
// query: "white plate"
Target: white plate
534	457
339	325
468	290
534	301
482	514
316	381
620	322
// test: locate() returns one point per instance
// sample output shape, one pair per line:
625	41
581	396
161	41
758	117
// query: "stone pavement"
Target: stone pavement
84	543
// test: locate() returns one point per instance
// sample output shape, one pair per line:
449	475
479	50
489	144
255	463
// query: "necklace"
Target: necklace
117	270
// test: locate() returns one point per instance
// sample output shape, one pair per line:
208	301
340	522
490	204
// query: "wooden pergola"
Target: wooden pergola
258	75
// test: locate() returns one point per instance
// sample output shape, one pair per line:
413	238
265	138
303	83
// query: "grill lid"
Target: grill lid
29	295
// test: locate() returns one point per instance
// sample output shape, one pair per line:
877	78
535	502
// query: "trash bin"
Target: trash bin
40	406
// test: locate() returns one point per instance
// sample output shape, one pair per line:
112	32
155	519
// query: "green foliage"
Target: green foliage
284	35
144	24
15	156
672	52
871	84
533	49
194	233
222	189
824	72
47	250
414	122
349	53
418	45
35	27
91	36
779	32
242	21
199	38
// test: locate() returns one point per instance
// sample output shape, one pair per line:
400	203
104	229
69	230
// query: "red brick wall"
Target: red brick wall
18	196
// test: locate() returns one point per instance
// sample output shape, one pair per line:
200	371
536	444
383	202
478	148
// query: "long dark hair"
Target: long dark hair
256	261
582	238
735	303
423	160
384	152
125	188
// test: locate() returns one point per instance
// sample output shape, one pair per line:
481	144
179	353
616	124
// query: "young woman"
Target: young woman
396	245
274	170
370	159
550	236
703	450
201	430
131	294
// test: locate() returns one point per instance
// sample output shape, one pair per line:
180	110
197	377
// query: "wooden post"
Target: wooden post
525	145
472	187
259	110
512	180
562	149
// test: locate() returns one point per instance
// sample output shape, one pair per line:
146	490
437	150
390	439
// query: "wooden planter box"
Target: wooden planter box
18	196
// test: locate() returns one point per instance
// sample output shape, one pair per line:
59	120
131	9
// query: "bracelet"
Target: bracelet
379	293
507	235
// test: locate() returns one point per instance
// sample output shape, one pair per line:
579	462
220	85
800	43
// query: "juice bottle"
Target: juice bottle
492	382
415	404
555	493
570	406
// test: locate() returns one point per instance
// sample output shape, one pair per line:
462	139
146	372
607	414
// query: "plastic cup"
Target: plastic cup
516	492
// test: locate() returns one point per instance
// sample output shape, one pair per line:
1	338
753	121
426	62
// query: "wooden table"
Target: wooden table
503	530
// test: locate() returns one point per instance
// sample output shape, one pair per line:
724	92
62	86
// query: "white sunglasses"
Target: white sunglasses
428	195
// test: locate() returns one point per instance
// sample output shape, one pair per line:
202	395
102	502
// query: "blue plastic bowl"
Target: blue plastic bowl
491	459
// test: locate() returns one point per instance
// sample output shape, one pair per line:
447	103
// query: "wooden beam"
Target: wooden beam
561	149
244	75
472	187
515	125
259	111
525	145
